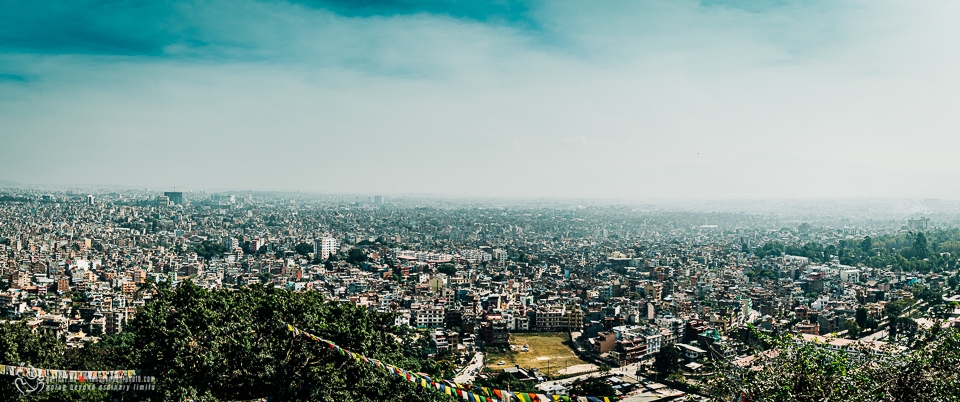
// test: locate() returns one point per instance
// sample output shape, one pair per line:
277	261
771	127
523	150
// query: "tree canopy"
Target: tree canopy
931	251
667	360
448	269
794	370
207	249
506	381
233	345
303	248
592	386
356	256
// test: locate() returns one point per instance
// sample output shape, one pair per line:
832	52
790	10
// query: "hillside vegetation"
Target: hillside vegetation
233	345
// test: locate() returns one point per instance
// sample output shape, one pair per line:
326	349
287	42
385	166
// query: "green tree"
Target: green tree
903	326
592	386
861	317
667	360
506	381
896	307
853	330
207	249
866	245
772	248
807	371
303	248
920	249
448	269
230	345
356	256
20	345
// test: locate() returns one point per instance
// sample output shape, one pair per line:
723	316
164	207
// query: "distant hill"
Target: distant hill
8	183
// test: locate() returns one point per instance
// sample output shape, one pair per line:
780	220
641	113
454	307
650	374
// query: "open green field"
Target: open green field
550	352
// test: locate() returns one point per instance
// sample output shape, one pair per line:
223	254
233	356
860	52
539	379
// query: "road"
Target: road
882	332
470	372
876	336
628	372
546	384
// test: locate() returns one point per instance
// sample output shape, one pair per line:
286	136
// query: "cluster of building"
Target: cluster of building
623	281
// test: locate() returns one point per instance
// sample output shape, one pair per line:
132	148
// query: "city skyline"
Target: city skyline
445	200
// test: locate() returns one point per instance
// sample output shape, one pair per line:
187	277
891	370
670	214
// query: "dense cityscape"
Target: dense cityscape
482	201
544	295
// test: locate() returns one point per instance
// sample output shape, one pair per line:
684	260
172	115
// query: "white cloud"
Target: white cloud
603	100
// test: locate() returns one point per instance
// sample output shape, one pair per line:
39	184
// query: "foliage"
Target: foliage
506	381
448	269
794	370
20	345
773	249
895	308
356	256
920	249
861	317
592	386
303	248
932	296
931	251
207	249
233	344
12	198
866	245
761	273
852	328
667	360
903	326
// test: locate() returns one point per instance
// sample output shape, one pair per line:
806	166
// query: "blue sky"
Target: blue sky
630	99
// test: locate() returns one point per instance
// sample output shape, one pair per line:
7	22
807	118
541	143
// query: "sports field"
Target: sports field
548	351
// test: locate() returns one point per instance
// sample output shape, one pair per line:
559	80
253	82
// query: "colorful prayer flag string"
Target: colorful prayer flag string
77	375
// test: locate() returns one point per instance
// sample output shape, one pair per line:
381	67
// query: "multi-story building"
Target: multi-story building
494	331
558	319
440	341
325	247
175	197
429	317
653	290
114	322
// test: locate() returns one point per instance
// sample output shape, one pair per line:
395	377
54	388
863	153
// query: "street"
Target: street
628	372
470	372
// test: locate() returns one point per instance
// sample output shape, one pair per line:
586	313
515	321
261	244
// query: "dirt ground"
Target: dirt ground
549	352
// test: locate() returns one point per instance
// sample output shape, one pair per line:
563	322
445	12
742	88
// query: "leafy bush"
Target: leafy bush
796	370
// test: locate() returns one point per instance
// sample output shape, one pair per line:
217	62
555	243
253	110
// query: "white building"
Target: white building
430	317
325	247
850	275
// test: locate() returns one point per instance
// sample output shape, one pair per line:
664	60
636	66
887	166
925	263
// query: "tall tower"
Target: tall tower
176	197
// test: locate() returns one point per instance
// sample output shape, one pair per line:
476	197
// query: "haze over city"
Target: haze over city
512	200
629	100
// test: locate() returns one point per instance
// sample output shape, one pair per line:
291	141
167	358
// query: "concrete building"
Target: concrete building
175	197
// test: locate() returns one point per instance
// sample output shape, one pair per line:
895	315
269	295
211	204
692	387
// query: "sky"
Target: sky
674	99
